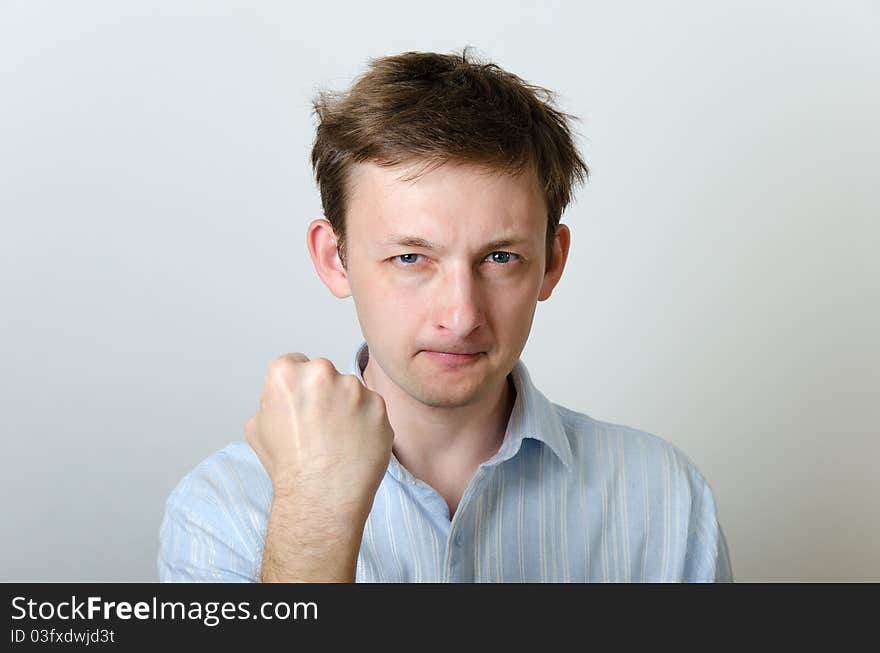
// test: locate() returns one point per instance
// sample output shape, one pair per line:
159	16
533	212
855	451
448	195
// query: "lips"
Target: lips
451	359
460	352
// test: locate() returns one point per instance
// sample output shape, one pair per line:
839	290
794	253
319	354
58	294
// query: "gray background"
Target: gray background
723	288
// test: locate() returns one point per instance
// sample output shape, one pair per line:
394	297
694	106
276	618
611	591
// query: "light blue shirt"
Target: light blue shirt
566	498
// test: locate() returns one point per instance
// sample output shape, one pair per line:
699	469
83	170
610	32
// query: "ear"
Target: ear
321	240
560	255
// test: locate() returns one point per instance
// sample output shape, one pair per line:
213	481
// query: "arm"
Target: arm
325	441
707	558
204	540
303	546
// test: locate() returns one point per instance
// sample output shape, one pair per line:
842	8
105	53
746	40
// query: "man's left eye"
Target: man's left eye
501	257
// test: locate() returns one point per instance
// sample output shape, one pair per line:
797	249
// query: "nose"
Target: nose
458	306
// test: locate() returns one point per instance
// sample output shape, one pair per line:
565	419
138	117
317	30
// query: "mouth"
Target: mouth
452	358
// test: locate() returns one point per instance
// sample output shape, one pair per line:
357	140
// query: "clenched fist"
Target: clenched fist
323	437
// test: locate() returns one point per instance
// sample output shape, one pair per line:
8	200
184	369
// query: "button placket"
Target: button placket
452	560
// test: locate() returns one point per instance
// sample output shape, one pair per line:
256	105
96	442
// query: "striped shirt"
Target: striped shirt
566	498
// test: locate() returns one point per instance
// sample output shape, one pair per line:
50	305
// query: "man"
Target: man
436	459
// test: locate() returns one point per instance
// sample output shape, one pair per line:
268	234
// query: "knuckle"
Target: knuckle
283	368
322	367
287	361
295	357
278	368
351	382
360	392
377	400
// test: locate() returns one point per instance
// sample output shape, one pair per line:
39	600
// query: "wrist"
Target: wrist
318	519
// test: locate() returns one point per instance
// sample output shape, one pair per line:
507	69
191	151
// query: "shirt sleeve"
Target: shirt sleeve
707	559
201	539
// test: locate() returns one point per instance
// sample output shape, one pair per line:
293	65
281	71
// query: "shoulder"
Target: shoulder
659	489
215	518
611	448
234	473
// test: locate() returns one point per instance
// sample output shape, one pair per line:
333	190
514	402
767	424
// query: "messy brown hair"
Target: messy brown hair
436	108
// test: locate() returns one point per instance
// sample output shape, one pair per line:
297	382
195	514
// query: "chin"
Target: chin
439	400
439	395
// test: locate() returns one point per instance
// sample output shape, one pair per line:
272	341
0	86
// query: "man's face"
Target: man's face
453	261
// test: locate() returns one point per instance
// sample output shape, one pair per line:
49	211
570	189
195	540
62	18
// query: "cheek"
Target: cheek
512	311
391	310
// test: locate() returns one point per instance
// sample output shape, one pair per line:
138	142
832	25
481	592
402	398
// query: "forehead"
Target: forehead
455	200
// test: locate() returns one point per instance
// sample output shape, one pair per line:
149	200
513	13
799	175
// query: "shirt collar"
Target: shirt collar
533	415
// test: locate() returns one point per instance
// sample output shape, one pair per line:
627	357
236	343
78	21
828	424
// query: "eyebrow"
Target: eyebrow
415	241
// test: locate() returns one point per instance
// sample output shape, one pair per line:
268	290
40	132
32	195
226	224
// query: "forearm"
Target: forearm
303	545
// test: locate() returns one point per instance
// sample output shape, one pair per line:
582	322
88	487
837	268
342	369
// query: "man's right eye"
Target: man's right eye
407	259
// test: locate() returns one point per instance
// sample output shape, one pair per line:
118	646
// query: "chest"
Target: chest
540	525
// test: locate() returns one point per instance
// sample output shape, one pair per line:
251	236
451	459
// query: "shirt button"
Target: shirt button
457	539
